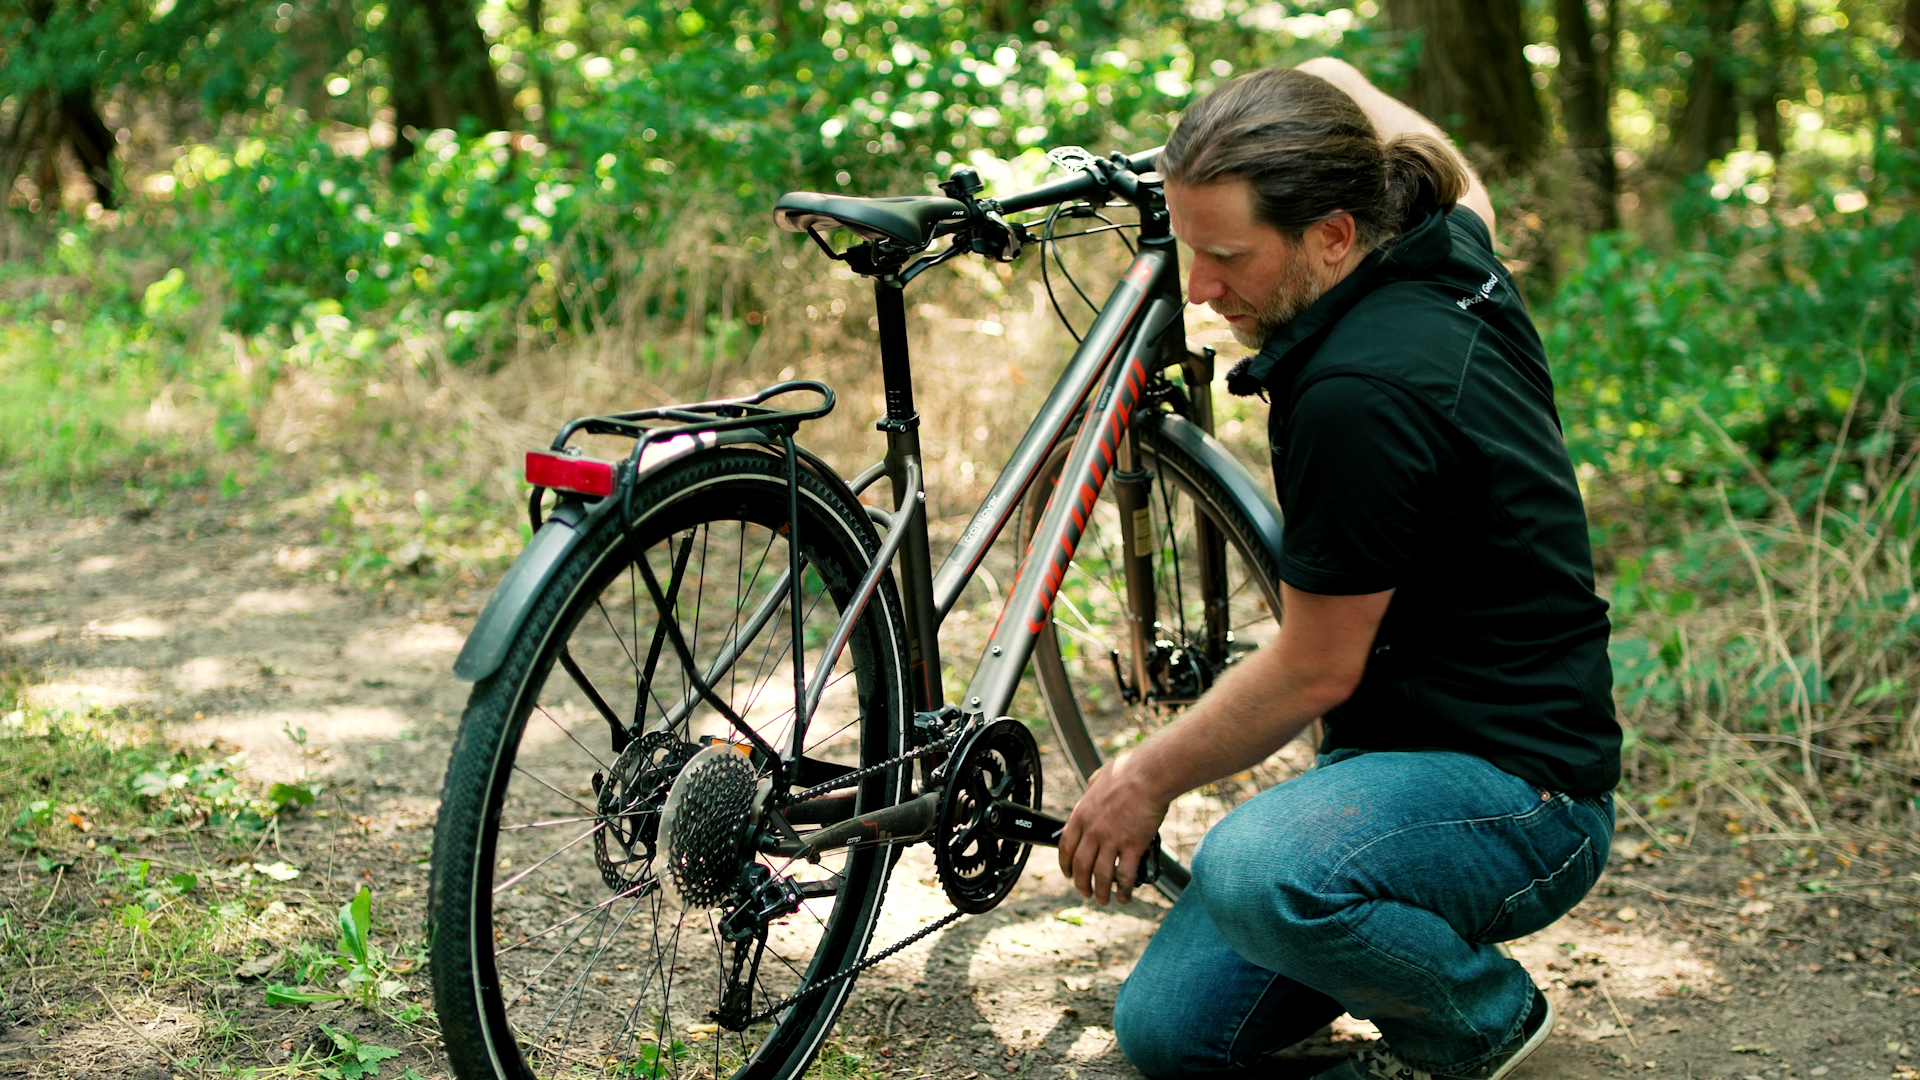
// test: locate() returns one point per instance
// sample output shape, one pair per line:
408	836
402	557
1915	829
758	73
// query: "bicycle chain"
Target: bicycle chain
821	986
816	988
857	775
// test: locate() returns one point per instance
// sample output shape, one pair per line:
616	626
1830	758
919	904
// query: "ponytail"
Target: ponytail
1423	176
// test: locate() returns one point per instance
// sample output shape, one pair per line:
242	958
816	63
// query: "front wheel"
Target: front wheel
1121	659
569	936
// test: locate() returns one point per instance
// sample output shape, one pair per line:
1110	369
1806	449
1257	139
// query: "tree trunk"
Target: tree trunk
92	142
1473	77
441	72
1709	124
1584	99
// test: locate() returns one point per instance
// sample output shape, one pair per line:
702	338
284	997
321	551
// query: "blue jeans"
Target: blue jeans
1376	885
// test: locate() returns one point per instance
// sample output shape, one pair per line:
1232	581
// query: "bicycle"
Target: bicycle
686	839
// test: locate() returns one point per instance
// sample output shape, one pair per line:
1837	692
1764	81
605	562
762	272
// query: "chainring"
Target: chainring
705	826
977	869
631	794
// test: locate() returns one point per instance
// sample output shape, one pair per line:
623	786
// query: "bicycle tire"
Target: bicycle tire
1081	684
544	961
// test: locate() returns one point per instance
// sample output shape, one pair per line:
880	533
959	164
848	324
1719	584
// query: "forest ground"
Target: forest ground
1700	954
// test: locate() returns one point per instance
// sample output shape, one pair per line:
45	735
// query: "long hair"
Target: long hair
1308	151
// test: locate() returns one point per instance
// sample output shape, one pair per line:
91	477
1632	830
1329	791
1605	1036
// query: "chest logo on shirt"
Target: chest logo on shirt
1485	293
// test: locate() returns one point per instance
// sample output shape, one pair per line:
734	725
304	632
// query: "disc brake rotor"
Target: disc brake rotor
630	797
978	869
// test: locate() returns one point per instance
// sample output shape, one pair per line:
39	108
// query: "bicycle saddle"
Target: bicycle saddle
904	219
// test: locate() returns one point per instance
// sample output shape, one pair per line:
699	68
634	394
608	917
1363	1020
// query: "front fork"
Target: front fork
1142	538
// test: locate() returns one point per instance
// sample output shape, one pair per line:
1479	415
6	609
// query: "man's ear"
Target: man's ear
1334	238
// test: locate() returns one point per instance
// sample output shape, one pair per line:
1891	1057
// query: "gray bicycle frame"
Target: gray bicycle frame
1137	334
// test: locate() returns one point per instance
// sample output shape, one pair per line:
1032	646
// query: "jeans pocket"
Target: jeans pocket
1535	907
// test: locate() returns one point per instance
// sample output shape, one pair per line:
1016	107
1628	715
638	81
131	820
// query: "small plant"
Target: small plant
653	1061
366	975
355	1058
209	792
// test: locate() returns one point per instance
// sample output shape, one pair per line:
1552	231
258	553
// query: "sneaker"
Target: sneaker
1376	1062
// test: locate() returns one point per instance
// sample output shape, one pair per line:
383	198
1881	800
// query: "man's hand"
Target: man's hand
1110	829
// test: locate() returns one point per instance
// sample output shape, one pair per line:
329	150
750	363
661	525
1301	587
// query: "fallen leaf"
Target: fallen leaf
1626	914
79	821
1763	1049
702	1029
260	965
1755	907
1605	1029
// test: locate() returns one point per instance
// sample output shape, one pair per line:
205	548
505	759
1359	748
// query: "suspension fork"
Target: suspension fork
1210	543
1133	491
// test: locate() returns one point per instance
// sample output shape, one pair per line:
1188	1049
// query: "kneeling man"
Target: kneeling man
1440	616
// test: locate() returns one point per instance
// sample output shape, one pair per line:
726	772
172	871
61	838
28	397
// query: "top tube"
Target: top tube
1072	187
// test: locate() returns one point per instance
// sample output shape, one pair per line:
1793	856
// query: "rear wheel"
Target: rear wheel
1206	595
582	884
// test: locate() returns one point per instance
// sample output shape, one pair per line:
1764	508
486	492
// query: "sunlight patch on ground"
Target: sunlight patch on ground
1629	964
268	602
430	645
204	673
134	628
33	636
271	755
88	688
129	1039
99	564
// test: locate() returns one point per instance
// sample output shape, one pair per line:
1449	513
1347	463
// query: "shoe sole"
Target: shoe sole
1527	1048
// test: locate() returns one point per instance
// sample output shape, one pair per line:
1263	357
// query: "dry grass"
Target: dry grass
1790	698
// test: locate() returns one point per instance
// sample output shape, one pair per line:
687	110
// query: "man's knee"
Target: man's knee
1263	887
1156	1035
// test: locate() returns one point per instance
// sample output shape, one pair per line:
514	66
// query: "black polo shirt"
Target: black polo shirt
1416	447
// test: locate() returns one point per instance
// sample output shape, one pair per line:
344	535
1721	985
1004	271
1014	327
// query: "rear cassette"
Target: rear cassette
978	869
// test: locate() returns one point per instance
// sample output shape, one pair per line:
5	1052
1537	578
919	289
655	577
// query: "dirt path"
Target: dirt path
1765	960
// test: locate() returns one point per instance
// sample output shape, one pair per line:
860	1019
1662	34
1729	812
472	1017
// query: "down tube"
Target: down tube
1069	509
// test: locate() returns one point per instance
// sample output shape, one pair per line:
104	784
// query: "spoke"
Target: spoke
524	874
638	892
584	808
570	738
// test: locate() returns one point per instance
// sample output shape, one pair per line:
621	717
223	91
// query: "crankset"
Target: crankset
986	825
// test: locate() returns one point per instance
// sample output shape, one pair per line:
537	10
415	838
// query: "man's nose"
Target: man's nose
1203	285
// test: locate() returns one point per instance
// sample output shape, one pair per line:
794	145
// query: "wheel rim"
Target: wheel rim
581	959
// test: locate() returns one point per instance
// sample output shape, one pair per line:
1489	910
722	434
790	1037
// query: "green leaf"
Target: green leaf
356	922
48	864
183	881
281	994
290	794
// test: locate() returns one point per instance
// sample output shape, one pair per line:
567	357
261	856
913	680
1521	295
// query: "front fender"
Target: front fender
507	608
1248	494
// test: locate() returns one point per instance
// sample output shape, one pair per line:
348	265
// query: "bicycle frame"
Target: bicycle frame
1136	335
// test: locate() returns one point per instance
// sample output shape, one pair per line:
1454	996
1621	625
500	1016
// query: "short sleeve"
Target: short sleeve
1357	468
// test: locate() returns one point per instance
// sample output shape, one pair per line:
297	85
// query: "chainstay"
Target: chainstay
854	777
823	985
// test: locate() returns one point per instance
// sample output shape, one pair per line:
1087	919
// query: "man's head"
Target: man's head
1280	185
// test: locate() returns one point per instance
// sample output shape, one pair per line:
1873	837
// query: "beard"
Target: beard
1294	293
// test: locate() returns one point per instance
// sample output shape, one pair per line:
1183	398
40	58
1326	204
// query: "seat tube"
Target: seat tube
902	426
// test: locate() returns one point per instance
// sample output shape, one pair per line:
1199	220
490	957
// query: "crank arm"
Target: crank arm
1011	821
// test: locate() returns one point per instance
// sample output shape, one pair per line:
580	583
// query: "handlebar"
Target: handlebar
1071	187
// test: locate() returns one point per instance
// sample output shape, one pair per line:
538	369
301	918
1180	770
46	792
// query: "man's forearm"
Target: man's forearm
1255	709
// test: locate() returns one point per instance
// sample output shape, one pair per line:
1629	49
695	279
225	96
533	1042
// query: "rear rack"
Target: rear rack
652	427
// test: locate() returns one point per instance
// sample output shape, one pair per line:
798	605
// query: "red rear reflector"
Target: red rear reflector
584	476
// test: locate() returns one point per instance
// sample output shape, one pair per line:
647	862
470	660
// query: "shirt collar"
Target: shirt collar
1408	255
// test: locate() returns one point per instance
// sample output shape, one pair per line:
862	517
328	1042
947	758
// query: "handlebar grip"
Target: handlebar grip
1071	187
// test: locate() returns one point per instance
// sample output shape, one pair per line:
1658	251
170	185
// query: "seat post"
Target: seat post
902	425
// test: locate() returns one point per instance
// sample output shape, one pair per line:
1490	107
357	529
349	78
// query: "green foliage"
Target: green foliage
355	1058
362	972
